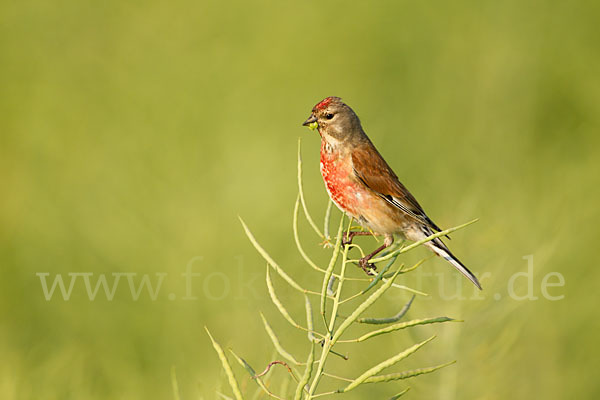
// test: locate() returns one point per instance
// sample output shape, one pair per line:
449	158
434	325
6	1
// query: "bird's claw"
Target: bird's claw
368	268
347	238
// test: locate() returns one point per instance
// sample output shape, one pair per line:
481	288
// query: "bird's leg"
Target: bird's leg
364	262
347	239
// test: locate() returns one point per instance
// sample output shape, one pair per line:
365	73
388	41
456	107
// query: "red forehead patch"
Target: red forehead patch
325	102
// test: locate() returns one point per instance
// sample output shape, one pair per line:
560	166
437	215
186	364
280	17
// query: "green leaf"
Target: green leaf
270	260
307	373
308	260
244	364
309	319
276	342
397	396
329	271
402	325
362	307
326	223
406	374
230	377
420	242
278	303
174	384
252	373
390	320
379	275
301	192
383	365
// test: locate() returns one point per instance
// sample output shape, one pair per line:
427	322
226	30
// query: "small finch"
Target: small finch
363	186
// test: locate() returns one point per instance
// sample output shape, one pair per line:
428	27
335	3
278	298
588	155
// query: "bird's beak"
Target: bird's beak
311	122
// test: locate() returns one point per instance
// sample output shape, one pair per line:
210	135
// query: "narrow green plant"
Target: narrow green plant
338	310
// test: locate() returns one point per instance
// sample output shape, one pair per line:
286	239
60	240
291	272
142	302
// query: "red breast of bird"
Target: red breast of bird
350	195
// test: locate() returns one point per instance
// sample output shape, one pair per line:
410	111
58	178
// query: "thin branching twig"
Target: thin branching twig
325	338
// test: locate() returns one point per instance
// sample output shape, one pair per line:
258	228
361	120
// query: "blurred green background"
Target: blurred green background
132	135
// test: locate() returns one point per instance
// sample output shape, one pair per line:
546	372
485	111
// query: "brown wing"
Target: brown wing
372	170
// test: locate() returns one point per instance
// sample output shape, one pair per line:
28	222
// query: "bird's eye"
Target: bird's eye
329	116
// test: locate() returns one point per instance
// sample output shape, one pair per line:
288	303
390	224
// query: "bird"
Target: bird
363	186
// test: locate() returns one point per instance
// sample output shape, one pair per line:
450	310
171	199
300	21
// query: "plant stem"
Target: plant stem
328	344
330	267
